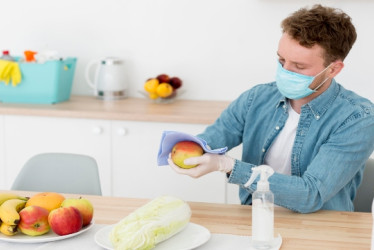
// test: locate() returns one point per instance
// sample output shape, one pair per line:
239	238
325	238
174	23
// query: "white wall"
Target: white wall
218	47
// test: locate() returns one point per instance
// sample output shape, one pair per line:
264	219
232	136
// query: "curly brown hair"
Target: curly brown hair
327	27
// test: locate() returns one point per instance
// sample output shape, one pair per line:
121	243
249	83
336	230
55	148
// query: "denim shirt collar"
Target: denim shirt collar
321	103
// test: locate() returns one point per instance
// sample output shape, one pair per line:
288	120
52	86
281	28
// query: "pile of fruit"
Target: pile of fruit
42	212
162	86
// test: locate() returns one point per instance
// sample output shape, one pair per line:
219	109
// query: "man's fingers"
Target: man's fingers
197	160
176	168
192	172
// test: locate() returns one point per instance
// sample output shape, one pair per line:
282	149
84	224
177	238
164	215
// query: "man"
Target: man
313	132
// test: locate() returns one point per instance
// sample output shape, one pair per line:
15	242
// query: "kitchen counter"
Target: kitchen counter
131	109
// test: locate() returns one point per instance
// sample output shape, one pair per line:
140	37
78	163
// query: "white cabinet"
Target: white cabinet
25	136
125	151
135	171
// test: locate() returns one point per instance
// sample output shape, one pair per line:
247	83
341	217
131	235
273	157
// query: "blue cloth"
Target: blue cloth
170	138
334	139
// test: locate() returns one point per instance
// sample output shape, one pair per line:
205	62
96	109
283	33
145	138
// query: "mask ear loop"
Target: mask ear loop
315	90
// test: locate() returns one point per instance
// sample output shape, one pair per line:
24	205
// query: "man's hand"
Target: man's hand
205	164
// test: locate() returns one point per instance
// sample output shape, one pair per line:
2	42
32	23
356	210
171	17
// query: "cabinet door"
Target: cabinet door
2	154
135	170
26	136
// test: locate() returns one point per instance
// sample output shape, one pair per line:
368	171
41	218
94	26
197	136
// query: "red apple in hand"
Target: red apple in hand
65	220
34	221
183	150
84	206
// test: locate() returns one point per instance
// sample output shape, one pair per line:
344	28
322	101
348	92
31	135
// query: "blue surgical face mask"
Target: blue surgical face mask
295	86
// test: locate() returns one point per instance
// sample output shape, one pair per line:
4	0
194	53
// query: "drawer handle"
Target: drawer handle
122	131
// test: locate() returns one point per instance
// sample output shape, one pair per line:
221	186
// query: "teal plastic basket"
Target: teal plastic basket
43	83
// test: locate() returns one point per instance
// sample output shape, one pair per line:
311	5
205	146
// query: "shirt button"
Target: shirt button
277	127
263	150
317	117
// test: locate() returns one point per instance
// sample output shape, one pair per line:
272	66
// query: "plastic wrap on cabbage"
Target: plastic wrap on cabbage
151	224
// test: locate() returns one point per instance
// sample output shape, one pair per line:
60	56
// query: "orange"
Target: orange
48	200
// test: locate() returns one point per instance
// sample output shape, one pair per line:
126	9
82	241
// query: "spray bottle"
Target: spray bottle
262	209
6	56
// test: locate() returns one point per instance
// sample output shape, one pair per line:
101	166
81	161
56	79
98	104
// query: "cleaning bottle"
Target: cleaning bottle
30	56
262	209
6	56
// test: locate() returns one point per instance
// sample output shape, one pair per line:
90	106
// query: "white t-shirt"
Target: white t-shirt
279	155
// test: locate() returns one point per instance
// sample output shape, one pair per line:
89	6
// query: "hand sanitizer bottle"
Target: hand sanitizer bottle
262	209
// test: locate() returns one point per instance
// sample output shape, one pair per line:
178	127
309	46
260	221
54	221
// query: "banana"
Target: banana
7	196
9	211
8	229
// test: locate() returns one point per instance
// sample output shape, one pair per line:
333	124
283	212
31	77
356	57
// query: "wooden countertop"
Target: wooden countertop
132	109
319	230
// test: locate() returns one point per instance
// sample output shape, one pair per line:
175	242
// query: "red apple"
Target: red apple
65	220
175	82
34	221
163	78
84	206
183	150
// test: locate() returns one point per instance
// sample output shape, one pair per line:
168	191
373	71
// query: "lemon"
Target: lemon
151	85
164	90
153	96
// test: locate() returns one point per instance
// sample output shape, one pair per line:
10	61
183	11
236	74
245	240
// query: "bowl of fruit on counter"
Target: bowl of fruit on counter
163	88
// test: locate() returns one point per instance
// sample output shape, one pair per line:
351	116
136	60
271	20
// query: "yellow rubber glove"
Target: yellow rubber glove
10	71
16	75
5	68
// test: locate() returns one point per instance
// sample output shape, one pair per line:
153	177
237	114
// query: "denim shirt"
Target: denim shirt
334	139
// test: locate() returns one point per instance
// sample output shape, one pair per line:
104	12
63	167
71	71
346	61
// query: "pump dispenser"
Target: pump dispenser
262	210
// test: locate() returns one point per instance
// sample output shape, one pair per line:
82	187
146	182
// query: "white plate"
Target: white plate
50	236
189	238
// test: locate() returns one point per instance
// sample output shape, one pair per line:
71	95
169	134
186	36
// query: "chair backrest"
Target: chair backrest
365	193
59	172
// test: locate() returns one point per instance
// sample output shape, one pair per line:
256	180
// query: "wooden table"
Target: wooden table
320	230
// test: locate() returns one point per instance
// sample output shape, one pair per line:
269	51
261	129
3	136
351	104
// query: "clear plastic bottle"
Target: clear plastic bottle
262	209
7	56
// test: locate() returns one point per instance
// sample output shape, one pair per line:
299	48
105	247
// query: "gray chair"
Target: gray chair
365	192
59	172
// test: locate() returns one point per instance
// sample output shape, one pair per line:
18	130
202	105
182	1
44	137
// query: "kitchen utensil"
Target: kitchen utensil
109	81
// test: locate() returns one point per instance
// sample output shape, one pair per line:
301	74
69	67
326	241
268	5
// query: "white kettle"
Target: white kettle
109	81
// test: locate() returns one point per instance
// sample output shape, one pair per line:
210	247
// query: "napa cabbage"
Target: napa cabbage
151	224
